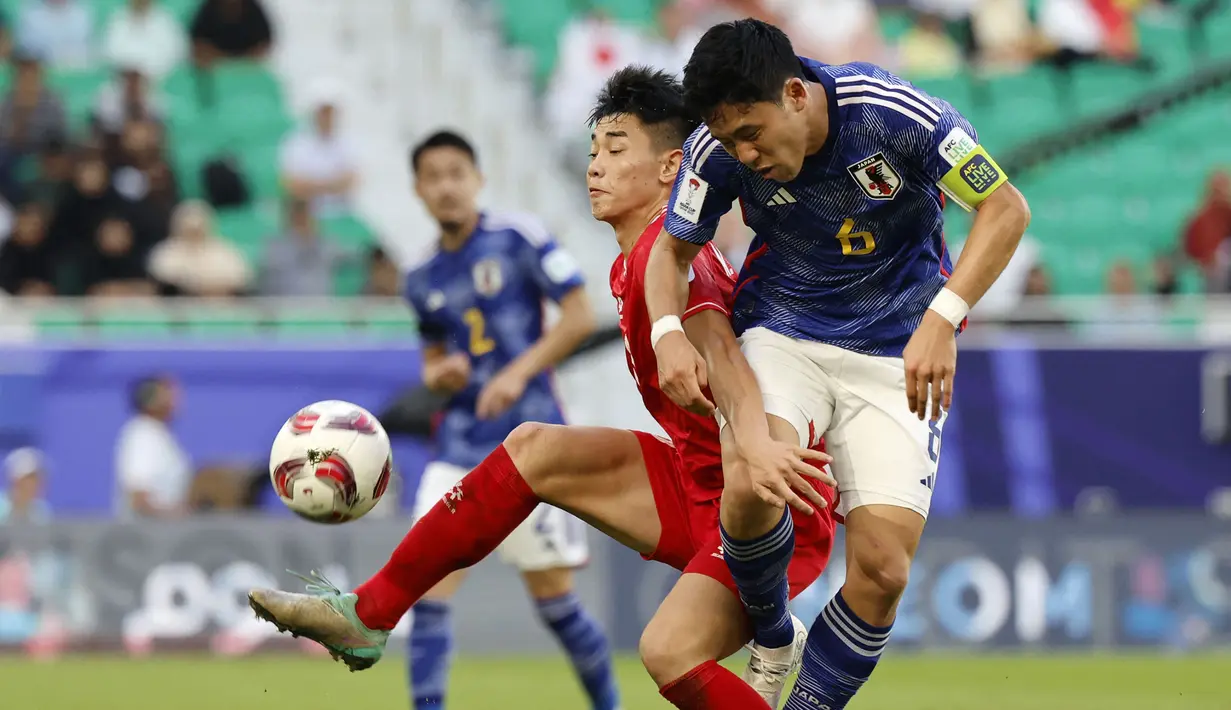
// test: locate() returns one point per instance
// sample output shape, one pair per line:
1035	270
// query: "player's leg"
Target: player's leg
885	464
546	548
429	654
430	645
699	623
598	474
758	539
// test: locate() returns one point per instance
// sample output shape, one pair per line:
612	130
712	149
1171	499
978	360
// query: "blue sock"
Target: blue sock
587	647
759	569
841	653
431	653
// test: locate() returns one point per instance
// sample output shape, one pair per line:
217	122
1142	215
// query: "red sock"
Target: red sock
709	686
460	530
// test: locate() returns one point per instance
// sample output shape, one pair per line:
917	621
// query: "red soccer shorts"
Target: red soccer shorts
690	541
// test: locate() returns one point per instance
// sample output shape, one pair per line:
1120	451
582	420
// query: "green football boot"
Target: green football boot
324	615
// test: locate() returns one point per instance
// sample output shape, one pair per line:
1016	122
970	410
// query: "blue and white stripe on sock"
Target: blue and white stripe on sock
759	568
587	647
431	653
841	653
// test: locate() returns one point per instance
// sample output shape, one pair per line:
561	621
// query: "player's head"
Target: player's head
640	125
447	178
744	80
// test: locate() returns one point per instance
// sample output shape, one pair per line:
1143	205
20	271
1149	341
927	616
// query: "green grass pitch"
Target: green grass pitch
904	682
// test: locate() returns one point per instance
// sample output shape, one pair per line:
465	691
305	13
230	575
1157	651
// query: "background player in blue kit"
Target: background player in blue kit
847	309
480	299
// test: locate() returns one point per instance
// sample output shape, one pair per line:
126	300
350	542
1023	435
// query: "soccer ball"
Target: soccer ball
331	462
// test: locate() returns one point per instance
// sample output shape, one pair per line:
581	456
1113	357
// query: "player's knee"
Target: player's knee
879	572
525	445
668	653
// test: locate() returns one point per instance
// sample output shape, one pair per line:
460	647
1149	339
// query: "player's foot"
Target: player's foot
769	668
324	615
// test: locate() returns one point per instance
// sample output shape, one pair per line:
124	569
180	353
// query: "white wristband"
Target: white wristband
662	326
950	306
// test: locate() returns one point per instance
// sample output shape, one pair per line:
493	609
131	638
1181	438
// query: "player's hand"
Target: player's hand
780	473
448	374
500	393
931	361
681	373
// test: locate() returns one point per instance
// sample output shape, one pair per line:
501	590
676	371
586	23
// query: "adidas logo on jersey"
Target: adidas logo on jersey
781	197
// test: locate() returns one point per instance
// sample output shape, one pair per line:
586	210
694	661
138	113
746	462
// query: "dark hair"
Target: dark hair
141	395
442	139
737	64
653	96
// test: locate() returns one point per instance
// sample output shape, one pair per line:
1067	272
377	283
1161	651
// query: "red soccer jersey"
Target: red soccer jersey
711	281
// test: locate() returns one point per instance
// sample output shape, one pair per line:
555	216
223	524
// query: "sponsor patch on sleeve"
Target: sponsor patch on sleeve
560	266
691	197
956	146
973	179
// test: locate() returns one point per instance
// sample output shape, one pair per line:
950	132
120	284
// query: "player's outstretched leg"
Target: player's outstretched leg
758	541
430	645
578	632
851	632
459	531
599	473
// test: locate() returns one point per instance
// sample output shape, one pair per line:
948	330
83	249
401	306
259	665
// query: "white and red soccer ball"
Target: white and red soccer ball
331	462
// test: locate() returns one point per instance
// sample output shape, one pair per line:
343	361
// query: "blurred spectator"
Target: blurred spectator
1166	276
114	267
926	50
1040	311
230	29
832	31
23	501
31	115
127	98
145	37
54	172
57	31
86	201
1210	227
679	30
1071	26
6	38
300	263
144	182
27	262
194	260
384	276
1003	33
318	163
153	474
591	47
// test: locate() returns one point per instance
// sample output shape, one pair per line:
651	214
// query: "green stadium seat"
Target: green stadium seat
134	322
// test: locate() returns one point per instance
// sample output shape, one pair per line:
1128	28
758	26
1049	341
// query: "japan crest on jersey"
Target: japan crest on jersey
876	177
488	279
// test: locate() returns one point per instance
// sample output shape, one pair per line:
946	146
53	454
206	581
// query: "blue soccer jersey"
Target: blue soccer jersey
851	252
486	300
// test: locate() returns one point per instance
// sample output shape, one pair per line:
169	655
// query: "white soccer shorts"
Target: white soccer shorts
882	454
549	539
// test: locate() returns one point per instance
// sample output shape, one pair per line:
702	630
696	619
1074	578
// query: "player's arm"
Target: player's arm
559	278
739	399
950	153
442	371
699	198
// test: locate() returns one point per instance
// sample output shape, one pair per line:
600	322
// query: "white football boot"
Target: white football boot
769	668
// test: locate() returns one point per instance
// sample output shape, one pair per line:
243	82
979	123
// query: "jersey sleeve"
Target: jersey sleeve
431	330
710	281
941	143
553	269
703	190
